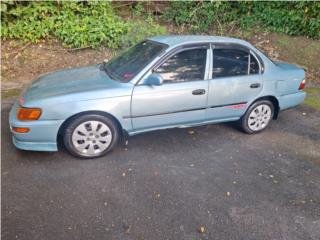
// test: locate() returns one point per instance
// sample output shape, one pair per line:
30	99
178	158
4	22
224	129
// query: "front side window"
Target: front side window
128	64
188	65
233	62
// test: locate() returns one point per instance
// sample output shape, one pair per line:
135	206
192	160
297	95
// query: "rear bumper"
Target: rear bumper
41	137
291	100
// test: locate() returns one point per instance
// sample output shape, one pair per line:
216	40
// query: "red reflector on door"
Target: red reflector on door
237	106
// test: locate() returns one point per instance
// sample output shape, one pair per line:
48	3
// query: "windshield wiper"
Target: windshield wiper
104	68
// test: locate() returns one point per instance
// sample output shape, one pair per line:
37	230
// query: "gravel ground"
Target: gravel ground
168	184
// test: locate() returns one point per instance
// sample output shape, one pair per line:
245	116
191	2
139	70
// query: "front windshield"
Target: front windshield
128	64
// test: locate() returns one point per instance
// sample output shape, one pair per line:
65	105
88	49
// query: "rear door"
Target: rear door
182	97
235	81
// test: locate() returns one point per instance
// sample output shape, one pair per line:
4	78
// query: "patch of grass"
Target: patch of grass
10	93
304	53
313	97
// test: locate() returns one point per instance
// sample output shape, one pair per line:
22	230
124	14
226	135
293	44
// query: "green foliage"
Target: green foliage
138	9
29	22
77	24
313	98
200	15
139	30
93	23
292	18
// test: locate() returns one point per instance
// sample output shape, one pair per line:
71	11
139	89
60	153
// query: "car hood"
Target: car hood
69	81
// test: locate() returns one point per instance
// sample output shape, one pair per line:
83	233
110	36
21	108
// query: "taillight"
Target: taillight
28	114
302	84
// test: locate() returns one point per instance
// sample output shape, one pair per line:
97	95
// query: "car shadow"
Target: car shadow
165	138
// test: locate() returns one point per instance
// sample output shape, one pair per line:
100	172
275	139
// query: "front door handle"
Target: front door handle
255	85
199	92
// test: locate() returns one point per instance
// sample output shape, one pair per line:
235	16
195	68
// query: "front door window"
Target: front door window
188	65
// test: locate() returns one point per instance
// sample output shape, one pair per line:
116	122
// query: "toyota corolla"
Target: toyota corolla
162	82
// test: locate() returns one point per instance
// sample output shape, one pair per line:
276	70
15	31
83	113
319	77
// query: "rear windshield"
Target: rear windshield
129	63
263	53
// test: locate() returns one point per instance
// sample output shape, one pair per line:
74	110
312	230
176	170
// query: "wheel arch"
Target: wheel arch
69	119
274	101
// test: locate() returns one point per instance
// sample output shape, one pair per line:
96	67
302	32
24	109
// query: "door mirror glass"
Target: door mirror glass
154	79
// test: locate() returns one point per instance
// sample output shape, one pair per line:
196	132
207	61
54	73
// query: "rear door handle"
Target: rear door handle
199	92
255	85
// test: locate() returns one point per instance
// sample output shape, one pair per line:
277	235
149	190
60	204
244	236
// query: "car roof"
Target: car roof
174	40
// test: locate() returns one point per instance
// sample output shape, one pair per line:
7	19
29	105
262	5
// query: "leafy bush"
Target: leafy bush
27	22
92	24
139	30
199	15
76	24
292	18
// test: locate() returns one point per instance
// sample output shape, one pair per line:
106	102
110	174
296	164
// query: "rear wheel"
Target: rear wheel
257	117
91	136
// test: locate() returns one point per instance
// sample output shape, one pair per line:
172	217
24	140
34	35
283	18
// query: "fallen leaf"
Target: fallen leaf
127	228
201	229
191	132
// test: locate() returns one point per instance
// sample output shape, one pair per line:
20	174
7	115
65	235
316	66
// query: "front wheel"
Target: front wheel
90	136
257	117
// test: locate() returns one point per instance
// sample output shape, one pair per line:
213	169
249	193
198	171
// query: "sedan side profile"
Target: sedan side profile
162	82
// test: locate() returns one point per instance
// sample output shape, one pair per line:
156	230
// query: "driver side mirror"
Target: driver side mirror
153	79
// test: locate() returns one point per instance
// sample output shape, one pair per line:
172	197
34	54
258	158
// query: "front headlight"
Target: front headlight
28	114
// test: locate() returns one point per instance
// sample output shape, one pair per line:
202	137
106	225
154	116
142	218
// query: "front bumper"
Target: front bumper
41	137
35	146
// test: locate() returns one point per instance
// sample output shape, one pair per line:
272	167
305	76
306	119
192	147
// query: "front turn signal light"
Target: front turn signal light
20	129
28	114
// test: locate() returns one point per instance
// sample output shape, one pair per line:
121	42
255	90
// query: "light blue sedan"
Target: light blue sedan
162	82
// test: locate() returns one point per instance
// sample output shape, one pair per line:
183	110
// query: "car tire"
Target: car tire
257	117
91	136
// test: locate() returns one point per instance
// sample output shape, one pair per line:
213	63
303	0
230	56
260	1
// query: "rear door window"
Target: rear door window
228	62
254	65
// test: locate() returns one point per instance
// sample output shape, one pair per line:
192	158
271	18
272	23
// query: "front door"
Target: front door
236	81
182	97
